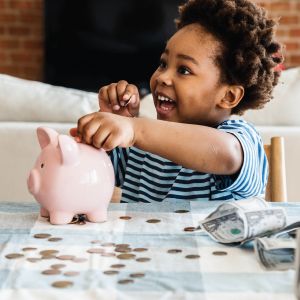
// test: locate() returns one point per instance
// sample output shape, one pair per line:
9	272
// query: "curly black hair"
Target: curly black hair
249	53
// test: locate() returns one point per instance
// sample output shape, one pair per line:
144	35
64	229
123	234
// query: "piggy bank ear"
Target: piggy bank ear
46	136
69	150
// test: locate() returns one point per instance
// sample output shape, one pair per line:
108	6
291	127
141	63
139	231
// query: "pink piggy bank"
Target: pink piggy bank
70	178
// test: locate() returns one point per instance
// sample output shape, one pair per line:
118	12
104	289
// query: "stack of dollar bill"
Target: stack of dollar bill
243	220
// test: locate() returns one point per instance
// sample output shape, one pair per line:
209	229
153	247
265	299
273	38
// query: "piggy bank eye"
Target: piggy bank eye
42	165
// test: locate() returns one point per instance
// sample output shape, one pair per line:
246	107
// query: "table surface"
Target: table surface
194	273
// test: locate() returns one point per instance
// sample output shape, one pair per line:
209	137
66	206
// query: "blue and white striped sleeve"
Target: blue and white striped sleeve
118	157
252	178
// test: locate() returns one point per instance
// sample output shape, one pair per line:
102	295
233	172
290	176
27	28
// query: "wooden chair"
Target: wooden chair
276	186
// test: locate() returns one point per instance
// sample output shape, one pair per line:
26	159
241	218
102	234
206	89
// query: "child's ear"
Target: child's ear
232	97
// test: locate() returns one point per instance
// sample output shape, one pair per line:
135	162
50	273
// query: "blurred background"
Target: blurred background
85	44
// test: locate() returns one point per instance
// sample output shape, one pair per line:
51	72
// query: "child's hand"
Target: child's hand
104	130
120	98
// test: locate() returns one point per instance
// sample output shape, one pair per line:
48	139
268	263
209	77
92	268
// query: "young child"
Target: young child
220	62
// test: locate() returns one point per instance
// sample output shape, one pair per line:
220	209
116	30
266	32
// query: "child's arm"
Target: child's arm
195	147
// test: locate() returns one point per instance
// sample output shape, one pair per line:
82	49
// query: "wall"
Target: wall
22	37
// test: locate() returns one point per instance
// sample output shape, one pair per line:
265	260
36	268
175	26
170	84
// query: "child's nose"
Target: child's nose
164	78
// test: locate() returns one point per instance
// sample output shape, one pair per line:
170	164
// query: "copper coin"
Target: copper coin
137	275
50	256
153	221
58	266
48	252
174	251
123	249
51	272
14	255
62	284
192	256
96	242
122	245
71	273
125	218
42	235
79	259
181	211
189	228
126	256
125	281
143	259
33	259
65	257
108	245
54	239
95	250
219	253
111	272
140	249
117	266
29	249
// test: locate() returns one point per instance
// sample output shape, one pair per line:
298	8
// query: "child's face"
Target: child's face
186	86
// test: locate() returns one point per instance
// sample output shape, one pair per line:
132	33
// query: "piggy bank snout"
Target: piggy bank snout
33	182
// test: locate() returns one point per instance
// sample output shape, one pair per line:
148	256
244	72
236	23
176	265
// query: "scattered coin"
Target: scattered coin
14	255
123	245
125	281
54	239
108	245
29	249
71	273
143	259
125	218
96	242
140	249
111	272
48	252
123	249
33	259
79	259
174	251
65	257
57	266
192	256
181	211
42	235
51	272
62	284
137	275
219	253
126	256
117	266
189	228
50	256
95	251
153	221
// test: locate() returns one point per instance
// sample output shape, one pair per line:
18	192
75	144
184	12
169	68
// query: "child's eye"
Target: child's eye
162	64
184	70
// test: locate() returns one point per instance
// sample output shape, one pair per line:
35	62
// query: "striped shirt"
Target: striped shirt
147	177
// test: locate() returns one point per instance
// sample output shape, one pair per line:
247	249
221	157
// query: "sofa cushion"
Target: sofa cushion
26	100
283	109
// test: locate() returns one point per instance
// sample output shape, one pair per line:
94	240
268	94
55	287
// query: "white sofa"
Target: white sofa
25	105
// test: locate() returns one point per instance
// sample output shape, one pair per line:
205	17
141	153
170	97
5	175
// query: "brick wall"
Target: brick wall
21	34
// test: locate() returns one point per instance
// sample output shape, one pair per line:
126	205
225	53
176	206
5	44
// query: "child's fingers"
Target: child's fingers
131	95
73	131
82	122
113	97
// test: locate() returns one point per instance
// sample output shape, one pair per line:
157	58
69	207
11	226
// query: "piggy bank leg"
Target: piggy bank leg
97	216
59	217
44	212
